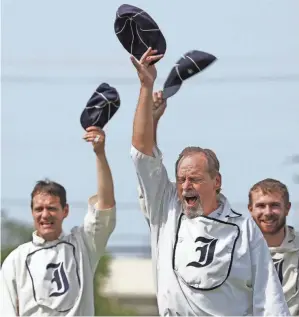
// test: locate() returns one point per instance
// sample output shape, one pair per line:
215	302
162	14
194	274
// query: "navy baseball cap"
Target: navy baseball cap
189	65
101	107
137	31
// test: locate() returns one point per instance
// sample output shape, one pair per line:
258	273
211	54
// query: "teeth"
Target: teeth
191	200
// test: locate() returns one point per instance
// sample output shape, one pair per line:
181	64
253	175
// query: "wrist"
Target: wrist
100	154
155	121
147	87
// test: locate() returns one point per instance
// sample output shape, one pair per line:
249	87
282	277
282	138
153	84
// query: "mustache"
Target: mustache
190	193
269	218
47	220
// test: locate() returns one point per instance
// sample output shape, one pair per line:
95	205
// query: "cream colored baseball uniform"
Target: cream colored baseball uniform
55	278
286	261
207	266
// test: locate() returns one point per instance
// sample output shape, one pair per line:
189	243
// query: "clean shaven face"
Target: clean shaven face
48	215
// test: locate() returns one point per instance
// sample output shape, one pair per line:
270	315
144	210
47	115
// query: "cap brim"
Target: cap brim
170	91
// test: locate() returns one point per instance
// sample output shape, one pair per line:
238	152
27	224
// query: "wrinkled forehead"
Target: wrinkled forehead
193	163
266	197
43	198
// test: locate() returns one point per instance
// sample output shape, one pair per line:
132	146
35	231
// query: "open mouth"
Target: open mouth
191	201
47	224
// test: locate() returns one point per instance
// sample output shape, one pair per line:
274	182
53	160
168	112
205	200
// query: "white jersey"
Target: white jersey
55	278
207	266
286	261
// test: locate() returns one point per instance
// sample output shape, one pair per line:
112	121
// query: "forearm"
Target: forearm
155	128
143	129
105	190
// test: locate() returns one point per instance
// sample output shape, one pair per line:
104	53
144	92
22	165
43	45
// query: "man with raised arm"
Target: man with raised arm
208	259
53	274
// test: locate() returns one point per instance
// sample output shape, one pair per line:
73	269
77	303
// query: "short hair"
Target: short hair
213	162
49	187
269	186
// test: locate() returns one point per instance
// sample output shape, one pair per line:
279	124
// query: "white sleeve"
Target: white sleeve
155	189
8	287
142	202
268	297
293	302
97	228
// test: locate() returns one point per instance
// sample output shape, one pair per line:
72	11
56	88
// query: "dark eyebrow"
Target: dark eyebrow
275	203
259	203
49	206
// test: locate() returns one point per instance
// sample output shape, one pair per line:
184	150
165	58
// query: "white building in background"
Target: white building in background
131	282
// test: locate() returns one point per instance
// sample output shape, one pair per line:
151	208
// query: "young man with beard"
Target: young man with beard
208	259
269	204
53	274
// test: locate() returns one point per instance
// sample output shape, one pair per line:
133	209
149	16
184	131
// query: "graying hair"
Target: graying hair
213	162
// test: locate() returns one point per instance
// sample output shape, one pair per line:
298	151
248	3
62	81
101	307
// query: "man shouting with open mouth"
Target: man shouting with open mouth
208	259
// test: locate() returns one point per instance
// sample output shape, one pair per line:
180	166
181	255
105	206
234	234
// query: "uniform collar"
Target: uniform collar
37	240
227	211
223	211
290	242
289	237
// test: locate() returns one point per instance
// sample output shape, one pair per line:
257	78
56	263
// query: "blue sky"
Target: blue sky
244	107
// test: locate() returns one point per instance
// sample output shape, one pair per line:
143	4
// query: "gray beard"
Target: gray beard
193	213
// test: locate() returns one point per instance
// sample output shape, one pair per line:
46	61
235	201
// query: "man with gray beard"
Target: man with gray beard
208	259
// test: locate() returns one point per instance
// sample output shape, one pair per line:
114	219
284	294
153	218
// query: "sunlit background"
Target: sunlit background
245	107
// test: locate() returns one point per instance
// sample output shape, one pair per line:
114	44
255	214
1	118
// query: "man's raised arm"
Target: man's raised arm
105	191
154	184
100	220
159	106
143	129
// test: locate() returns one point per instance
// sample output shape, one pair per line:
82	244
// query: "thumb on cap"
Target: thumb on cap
135	62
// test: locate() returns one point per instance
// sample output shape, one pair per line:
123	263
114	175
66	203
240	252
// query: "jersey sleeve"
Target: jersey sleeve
155	190
9	295
97	228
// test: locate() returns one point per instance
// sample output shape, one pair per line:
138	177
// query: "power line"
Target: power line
95	61
55	80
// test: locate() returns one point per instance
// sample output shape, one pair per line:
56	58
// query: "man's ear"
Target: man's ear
288	207
66	210
249	207
218	181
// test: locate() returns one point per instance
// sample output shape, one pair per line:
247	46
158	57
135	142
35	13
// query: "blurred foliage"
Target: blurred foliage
295	161
105	306
14	233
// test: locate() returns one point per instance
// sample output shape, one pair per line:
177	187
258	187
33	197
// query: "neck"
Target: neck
211	207
276	239
49	238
